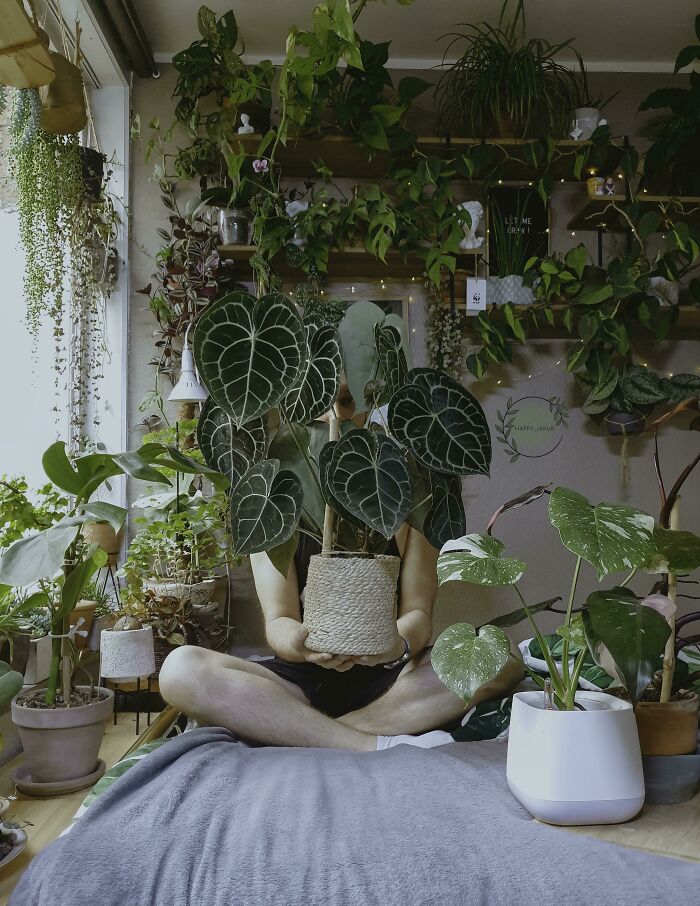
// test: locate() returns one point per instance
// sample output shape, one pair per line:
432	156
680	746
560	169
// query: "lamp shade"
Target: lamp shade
188	389
127	654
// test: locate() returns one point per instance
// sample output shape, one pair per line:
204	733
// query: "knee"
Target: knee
180	673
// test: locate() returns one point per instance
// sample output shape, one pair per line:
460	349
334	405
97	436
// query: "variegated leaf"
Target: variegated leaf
230	450
446	518
477	559
465	659
319	379
368	476
249	352
610	536
441	423
265	508
676	552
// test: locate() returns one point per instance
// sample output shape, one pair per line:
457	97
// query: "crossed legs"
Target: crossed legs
253	702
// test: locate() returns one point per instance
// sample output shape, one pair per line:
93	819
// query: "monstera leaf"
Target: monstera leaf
610	536
265	508
292	445
392	358
249	353
446	518
229	450
477	559
319	380
441	424
368	476
635	635
465	659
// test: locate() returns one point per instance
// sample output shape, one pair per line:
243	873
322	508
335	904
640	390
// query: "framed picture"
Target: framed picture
512	209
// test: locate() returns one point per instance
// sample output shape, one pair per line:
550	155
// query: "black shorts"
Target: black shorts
332	692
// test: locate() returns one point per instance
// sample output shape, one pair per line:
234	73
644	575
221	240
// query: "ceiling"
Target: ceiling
615	35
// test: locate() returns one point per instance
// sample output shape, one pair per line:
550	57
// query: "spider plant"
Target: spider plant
503	84
508	247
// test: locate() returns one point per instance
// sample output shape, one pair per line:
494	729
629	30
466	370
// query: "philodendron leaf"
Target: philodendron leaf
265	508
477	559
230	450
635	635
281	556
249	352
446	518
610	536
318	383
324	462
391	356
368	476
676	552
287	446
519	615
441	424
465	659
39	556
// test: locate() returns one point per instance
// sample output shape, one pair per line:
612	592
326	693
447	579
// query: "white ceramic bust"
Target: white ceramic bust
246	128
476	212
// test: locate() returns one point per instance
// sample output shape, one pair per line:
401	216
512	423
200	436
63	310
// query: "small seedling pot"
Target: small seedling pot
668	728
575	767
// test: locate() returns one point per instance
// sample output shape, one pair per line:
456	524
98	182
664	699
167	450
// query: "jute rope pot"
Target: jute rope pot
350	604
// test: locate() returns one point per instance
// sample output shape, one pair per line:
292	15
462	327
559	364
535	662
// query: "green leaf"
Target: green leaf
319	379
477	559
641	387
106	512
39	556
360	358
369	477
249	352
594	295
517	616
289	445
676	552
133	465
59	469
465	659
11	683
265	508
446	518
441	423
76	580
411	87
681	386
282	556
649	224
229	450
392	357
610	536
634	635
576	259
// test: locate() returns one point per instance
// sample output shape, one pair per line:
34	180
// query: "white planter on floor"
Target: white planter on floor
575	767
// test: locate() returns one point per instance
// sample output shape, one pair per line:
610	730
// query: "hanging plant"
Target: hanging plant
446	343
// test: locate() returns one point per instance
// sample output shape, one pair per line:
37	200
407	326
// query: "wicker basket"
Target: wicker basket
350	604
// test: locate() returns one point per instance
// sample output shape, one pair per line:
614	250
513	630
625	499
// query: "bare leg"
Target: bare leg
251	701
418	701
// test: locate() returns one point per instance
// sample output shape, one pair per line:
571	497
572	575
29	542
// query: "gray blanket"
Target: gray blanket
208	821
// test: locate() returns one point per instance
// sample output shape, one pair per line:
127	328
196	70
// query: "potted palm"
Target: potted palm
349	487
560	735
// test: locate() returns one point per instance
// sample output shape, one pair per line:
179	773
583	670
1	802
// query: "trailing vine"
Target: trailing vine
446	340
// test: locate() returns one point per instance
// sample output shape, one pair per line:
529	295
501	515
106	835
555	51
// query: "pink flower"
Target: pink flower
261	166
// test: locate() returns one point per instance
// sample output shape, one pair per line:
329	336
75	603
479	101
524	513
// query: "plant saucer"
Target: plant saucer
24	783
20	841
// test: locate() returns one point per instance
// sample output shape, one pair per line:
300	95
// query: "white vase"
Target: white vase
500	290
575	767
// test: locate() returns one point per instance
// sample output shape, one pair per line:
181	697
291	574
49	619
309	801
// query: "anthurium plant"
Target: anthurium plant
272	375
56	562
623	632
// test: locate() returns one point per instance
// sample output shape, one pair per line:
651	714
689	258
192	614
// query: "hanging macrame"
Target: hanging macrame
63	100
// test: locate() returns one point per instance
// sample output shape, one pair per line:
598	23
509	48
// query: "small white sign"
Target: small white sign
476	294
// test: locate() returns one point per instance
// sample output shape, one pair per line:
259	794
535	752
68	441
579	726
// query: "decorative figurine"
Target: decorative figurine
247	127
476	212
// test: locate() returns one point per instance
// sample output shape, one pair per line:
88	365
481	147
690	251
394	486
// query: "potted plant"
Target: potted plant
504	85
560	736
588	106
508	257
351	489
61	726
103	612
247	176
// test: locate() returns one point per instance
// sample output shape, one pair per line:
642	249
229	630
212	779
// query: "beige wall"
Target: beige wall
586	459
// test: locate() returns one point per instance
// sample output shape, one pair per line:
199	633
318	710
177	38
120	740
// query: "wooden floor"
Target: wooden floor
48	817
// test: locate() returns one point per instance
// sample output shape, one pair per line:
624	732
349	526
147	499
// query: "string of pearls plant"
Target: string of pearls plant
446	343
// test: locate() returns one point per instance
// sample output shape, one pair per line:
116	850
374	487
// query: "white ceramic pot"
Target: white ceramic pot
586	121
500	290
197	594
575	767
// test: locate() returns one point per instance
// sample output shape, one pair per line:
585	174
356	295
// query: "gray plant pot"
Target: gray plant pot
670	779
234	226
62	743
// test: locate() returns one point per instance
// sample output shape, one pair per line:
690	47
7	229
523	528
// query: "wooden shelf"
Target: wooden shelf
598	215
346	158
353	263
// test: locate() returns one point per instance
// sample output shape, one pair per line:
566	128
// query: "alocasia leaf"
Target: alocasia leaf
318	383
230	450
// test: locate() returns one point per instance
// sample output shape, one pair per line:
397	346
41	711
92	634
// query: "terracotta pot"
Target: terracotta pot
670	728
62	100
62	743
86	610
102	534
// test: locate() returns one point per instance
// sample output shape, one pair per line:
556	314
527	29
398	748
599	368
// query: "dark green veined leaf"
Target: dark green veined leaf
324	461
441	424
281	557
291	445
611	537
477	559
635	635
641	386
229	450
465	659
249	352
319	379
369	477
446	518
392	358
680	387
265	508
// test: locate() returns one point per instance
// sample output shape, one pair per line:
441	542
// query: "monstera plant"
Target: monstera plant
626	635
272	374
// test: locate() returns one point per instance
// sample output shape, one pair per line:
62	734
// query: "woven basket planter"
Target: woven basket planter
350	604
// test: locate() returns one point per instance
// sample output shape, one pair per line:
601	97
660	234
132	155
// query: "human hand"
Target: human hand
394	653
287	637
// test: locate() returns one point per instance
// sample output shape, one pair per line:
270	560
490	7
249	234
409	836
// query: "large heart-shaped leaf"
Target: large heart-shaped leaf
446	518
265	508
319	379
610	536
465	660
477	559
392	358
676	552
324	462
291	445
441	423
230	450
634	634
249	352
369	477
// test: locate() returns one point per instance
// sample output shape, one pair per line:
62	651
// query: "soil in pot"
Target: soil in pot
670	728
